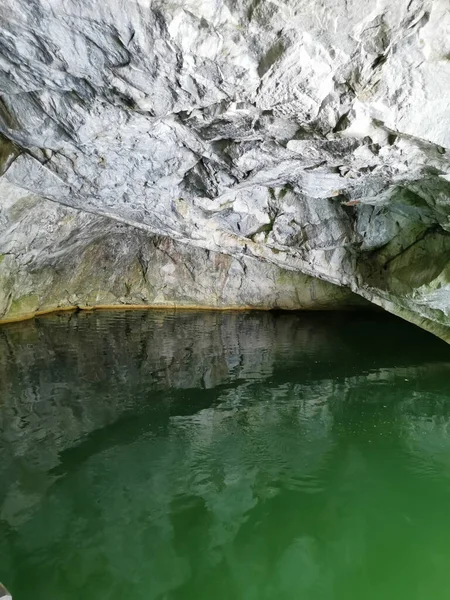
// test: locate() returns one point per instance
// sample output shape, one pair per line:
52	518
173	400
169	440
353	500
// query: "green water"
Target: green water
190	456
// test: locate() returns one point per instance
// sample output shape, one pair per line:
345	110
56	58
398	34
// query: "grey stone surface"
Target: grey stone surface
308	136
4	594
55	256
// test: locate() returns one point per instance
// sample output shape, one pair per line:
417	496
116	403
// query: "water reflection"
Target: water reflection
198	455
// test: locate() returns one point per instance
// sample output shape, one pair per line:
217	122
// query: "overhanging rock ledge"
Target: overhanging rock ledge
231	153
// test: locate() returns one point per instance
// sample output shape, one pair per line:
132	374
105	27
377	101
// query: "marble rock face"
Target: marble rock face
226	153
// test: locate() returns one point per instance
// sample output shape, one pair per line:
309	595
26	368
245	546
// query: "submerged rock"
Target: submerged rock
4	594
223	154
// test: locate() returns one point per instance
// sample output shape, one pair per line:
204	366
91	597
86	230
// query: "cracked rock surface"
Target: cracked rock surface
224	153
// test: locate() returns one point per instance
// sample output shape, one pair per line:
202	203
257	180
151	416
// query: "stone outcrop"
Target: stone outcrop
197	152
85	261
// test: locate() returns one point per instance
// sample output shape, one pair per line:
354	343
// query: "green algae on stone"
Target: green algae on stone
22	207
23	305
8	152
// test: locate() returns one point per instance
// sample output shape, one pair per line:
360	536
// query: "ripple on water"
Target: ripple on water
193	455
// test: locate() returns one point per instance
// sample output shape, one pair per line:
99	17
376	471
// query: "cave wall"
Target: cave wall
88	261
225	153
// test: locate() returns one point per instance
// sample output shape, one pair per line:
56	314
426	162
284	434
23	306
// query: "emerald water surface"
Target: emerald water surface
195	456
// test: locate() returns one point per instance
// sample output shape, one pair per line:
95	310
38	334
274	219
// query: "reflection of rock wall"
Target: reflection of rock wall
205	464
161	419
65	357
64	377
182	490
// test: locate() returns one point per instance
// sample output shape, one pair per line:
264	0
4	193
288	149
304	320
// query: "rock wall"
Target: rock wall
299	136
60	257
